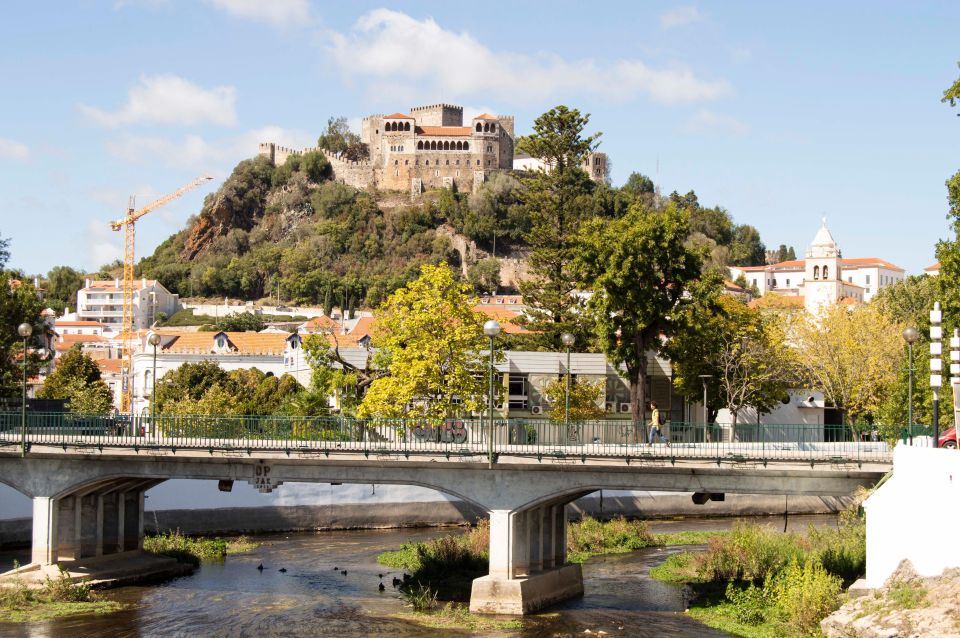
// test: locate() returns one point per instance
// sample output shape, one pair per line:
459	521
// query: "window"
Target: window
479	127
788	283
850	280
466	146
816	273
868	280
478	162
517	393
448	162
406	162
489	148
493	128
458	162
221	342
420	145
406	126
825	273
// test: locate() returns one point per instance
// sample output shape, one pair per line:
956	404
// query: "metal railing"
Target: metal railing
466	439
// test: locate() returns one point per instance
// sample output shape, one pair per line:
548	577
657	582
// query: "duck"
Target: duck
381	587
260	567
282	570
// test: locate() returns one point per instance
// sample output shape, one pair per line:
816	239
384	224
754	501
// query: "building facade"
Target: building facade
824	277
429	147
102	302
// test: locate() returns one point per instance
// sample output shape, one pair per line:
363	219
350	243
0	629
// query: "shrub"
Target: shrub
750	553
64	590
420	597
751	605
804	594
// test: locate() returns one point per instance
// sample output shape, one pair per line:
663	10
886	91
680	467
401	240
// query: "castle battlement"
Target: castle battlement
452	107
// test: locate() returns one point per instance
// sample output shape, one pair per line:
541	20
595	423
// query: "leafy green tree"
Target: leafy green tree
484	276
315	166
555	201
429	341
952	94
744	351
584	396
189	381
77	379
241	322
19	303
638	184
746	249
63	282
340	140
639	268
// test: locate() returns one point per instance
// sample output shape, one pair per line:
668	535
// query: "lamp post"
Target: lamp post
491	328
936	366
153	340
911	336
706	415
24	330
568	340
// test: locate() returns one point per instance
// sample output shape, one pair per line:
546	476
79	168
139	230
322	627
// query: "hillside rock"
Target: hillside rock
907	606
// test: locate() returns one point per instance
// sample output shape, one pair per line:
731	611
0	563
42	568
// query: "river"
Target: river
313	598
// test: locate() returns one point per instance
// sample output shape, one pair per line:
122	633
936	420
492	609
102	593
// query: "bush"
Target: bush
186	549
591	536
750	553
804	594
751	605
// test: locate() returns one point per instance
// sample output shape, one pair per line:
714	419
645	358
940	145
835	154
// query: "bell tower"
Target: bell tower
822	283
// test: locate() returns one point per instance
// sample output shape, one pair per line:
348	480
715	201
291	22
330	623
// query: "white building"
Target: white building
594	165
102	301
824	277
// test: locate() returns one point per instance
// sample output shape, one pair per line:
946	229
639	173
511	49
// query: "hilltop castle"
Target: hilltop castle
431	148
427	148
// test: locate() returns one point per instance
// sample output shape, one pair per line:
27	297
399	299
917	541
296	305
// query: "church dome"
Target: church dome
823	244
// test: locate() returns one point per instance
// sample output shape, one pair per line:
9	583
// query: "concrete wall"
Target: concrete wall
915	514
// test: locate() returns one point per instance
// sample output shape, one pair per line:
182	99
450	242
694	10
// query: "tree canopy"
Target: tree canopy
77	379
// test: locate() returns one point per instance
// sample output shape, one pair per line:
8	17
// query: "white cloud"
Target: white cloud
392	46
245	145
172	100
704	121
104	243
679	17
13	150
279	13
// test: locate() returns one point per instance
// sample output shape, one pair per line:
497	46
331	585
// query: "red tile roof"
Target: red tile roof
78	324
399	116
935	266
485	116
504	316
799	264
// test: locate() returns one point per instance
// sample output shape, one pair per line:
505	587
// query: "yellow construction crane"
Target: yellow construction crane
126	328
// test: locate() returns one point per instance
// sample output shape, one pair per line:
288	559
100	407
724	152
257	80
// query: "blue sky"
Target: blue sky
782	113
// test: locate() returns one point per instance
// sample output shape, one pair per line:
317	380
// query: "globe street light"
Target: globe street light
568	340
153	340
491	328
911	336
24	330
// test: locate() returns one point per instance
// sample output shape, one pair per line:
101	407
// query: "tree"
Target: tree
583	400
189	381
315	166
429	341
241	322
746	249
638	184
341	141
19	303
63	282
852	356
484	276
77	379
743	350
948	251
952	94
639	268
556	201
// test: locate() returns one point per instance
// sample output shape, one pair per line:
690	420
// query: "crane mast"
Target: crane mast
126	327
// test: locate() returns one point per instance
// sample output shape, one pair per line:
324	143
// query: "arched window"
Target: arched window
826	272
389	127
428	162
466	146
479	127
396	162
433	146
420	145
816	273
406	126
493	128
446	146
221	342
486	127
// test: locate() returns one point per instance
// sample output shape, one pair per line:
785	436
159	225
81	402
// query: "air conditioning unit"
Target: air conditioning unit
625	408
610	407
536	409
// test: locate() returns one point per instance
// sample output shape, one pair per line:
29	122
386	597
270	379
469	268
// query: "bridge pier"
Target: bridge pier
528	570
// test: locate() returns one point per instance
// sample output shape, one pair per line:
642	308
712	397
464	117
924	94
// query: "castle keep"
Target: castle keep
427	148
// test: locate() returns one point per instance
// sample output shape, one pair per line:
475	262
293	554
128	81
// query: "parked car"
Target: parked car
948	439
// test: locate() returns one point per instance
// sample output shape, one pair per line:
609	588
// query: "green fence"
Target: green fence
472	438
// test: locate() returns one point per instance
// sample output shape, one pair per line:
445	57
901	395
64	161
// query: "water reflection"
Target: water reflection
312	598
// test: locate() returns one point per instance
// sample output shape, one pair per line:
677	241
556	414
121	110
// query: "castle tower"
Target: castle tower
822	283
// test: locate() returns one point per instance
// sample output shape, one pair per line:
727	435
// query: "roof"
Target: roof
111	285
323	322
443	130
399	116
485	116
504	316
78	324
110	366
800	264
935	266
364	328
241	343
871	261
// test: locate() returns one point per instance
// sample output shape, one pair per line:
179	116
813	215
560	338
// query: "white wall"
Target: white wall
915	515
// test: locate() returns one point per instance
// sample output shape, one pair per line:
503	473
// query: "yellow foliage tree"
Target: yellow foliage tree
429	342
852	355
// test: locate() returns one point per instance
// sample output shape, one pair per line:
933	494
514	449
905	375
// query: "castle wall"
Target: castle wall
438	115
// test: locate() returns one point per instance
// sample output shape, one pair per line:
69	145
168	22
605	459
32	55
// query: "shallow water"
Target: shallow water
312	598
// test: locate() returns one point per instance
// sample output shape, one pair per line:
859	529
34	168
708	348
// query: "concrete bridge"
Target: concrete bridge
88	489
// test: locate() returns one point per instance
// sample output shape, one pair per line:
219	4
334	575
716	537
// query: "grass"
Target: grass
58	597
196	550
458	616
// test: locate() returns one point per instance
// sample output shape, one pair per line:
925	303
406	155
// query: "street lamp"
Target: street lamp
491	328
706	415
24	330
153	340
568	340
911	336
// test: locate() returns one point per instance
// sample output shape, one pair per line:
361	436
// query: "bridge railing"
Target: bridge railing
468	438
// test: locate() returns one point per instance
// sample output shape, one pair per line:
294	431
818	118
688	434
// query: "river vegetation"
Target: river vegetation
57	597
196	550
757	582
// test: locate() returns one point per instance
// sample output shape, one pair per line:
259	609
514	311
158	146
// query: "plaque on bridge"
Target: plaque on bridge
263	479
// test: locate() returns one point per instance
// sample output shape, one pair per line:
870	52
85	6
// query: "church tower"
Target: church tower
822	283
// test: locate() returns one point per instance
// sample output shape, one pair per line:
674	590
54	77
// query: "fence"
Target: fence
465	438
